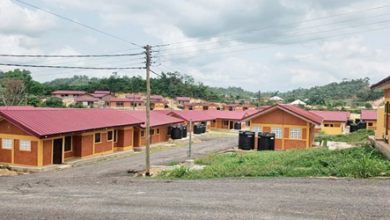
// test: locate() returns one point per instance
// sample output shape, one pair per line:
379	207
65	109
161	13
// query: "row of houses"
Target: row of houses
44	136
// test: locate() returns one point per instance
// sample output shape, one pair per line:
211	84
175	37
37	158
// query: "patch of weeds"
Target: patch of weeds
178	172
173	163
5	167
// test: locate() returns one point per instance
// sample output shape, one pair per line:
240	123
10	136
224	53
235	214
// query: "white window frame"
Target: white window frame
25	145
278	131
257	128
7	143
296	133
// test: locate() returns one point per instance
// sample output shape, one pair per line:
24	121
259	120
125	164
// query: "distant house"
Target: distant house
297	102
124	103
86	101
276	98
67	93
193	106
158	104
233	107
46	136
293	127
210	106
183	100
248	107
334	122
229	119
102	95
133	96
196	117
370	116
156	97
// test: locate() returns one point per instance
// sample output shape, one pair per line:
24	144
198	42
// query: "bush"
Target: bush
53	102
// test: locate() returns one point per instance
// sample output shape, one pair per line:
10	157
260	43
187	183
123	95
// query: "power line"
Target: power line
72	67
78	23
249	37
302	41
98	55
290	23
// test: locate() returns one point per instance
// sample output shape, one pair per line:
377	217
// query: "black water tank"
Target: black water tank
349	122
353	128
197	129
240	137
183	131
176	132
266	141
237	126
203	128
362	125
357	120
247	141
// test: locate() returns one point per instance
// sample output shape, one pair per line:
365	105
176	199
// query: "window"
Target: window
115	136
295	133
6	143
370	124
151	131
256	129
68	143
328	125
142	133
214	121
25	145
278	132
119	104
225	123
158	131
97	138
109	135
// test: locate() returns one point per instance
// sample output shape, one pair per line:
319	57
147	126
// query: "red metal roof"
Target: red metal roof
156	97
156	119
16	107
292	109
232	105
232	115
42	122
64	92
86	99
196	116
123	100
368	115
99	95
332	115
183	98
131	96
102	92
159	101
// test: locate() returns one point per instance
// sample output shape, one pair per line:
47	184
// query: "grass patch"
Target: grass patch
5	167
358	162
358	137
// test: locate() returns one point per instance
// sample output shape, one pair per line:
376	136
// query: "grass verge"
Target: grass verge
359	137
358	162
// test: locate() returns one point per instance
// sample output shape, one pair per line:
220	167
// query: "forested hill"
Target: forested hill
355	90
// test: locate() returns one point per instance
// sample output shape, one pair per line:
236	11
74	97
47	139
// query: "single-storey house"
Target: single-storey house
124	103
182	100
46	136
158	104
334	123
193	106
248	107
67	93
210	106
293	127
370	117
86	100
197	117
228	119
159	124
233	107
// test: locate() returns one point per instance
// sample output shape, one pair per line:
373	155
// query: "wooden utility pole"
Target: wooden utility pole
147	150
259	101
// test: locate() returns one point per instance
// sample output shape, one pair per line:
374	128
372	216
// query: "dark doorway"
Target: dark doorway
231	125
57	151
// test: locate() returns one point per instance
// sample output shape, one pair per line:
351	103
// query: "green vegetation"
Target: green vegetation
358	162
173	163
359	137
4	167
354	93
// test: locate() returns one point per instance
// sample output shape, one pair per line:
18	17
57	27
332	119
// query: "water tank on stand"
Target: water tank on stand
248	141
265	141
176	132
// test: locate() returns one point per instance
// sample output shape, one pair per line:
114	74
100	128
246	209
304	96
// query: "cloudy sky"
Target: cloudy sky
265	45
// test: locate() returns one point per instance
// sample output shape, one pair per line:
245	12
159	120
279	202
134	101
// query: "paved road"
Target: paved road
104	191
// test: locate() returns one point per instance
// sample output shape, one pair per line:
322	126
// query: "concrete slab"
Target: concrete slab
381	146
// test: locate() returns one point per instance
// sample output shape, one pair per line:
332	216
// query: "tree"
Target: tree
12	91
33	100
368	106
53	102
31	86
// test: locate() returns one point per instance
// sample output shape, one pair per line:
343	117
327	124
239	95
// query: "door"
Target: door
231	125
57	151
